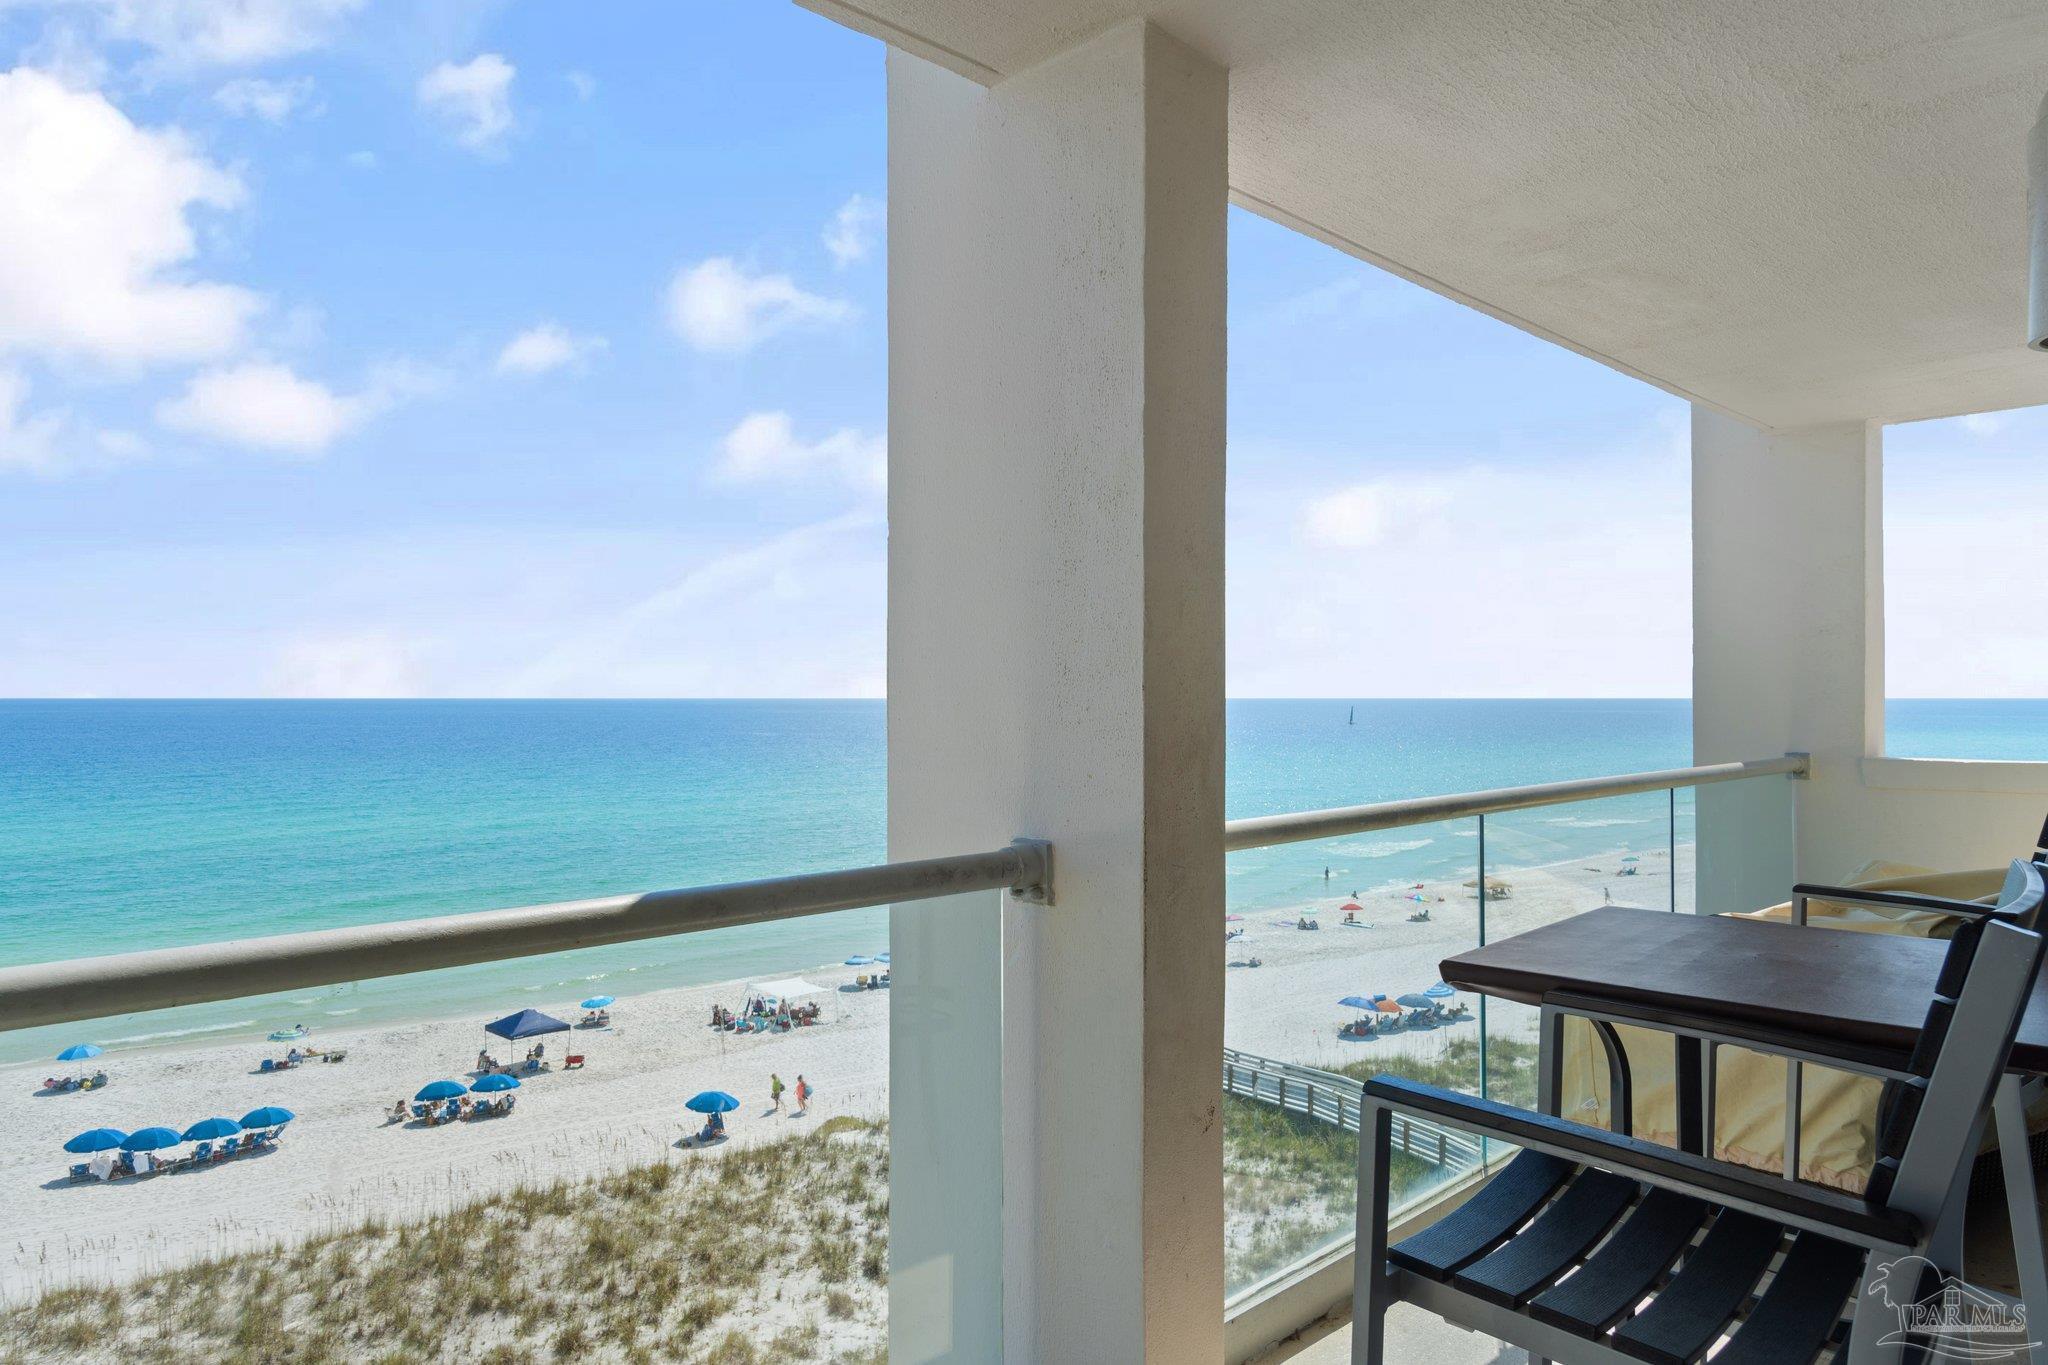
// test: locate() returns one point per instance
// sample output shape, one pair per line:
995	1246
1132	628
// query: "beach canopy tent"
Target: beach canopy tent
149	1139
206	1130
79	1052
786	988
439	1090
497	1080
269	1116
525	1024
96	1140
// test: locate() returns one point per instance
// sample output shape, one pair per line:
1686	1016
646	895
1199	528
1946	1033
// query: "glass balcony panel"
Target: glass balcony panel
1747	844
416	1220
1385	908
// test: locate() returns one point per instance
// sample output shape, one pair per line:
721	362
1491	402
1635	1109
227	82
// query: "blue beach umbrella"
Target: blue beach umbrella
1413	1001
149	1139
497	1080
269	1116
1442	990
711	1102
208	1129
79	1052
440	1090
597	1002
1358	1002
858	961
98	1140
881	957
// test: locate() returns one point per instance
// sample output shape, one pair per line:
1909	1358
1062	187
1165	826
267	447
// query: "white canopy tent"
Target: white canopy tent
785	988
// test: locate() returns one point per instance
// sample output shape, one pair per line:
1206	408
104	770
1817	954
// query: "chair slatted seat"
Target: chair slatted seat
1798	1313
1552	1244
1713	1284
1582	1246
1617	1276
1485	1220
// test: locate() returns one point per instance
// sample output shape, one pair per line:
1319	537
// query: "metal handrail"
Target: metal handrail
88	988
1262	831
94	987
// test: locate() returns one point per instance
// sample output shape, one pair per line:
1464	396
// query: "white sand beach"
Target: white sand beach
341	1162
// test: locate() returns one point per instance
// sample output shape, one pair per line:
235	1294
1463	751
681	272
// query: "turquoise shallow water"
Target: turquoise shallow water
127	825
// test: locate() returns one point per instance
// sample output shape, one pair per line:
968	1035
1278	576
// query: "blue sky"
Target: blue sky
432	347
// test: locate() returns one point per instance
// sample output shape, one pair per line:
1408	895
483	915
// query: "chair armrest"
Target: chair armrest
1722	1029
1893	900
1771	1197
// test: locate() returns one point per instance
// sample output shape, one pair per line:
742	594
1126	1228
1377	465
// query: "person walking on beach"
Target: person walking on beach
803	1094
775	1091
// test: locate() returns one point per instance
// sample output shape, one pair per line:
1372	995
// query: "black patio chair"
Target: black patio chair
1595	1248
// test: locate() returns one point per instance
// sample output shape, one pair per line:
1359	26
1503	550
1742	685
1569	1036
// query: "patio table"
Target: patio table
1852	1001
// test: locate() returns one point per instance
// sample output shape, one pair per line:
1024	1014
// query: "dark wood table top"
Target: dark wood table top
1864	989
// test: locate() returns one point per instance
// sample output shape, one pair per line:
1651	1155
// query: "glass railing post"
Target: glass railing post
1483	1093
1671	845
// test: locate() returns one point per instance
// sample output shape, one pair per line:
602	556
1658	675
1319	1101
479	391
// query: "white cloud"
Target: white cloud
97	242
546	346
799	614
1364	514
265	406
1462	578
717	306
851	233
189	34
582	82
51	443
763	448
1982	423
271	101
345	663
30	443
475	98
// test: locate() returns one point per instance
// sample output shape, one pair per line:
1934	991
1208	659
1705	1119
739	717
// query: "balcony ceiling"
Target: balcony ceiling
1799	211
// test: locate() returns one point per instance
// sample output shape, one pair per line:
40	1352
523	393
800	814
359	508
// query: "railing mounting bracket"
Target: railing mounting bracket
1034	883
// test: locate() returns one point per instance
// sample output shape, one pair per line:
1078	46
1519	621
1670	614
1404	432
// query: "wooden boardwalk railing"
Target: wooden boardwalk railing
1334	1099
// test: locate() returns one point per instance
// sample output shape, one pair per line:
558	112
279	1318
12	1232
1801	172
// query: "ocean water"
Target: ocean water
128	825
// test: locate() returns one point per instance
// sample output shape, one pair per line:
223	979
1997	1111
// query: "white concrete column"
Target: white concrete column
1788	632
1056	406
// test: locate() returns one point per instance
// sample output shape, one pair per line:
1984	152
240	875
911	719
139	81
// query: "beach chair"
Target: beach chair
573	1062
202	1153
1529	1257
268	1065
229	1148
82	1171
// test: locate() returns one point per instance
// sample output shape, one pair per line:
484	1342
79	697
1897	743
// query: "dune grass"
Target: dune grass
1290	1182
775	1252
